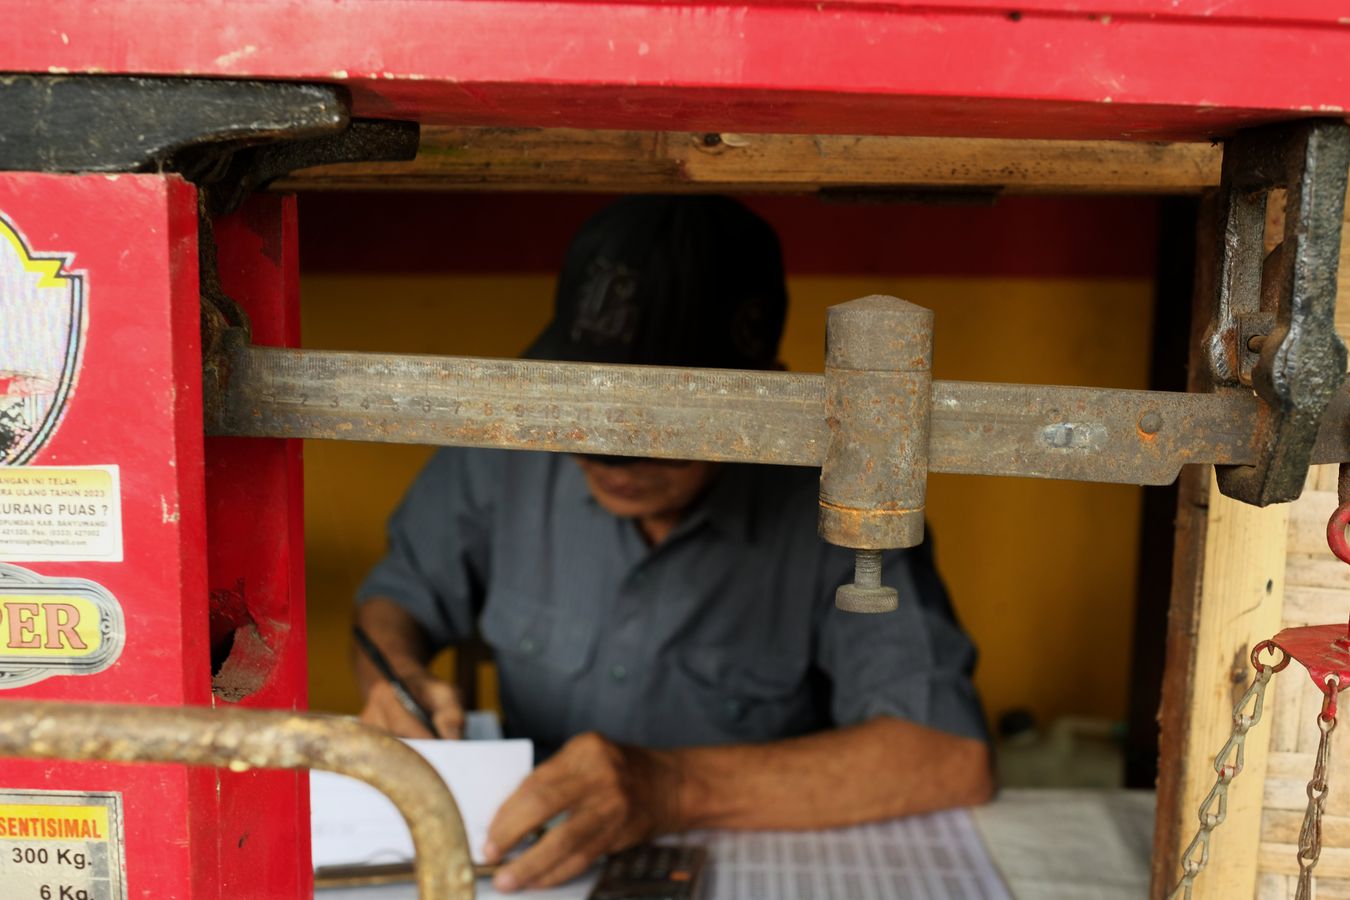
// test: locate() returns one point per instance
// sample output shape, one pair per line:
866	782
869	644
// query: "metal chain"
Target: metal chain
1310	835
1214	808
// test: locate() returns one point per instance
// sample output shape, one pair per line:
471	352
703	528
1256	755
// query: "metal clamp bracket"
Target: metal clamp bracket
233	136
1273	319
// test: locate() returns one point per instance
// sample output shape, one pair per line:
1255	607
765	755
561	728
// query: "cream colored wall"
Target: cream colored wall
1042	573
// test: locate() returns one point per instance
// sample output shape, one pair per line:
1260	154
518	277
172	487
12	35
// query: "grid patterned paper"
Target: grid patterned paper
933	857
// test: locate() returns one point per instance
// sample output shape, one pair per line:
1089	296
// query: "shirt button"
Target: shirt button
735	709
527	645
618	672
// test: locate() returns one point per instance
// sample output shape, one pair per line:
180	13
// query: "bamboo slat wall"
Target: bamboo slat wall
1316	592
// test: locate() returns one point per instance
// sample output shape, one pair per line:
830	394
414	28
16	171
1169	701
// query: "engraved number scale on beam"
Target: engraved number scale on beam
1136	437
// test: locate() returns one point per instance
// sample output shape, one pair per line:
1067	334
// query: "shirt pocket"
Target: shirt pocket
537	636
541	657
748	700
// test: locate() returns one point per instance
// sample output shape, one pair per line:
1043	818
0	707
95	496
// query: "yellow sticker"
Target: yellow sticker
65	626
62	845
55	626
56	513
53	823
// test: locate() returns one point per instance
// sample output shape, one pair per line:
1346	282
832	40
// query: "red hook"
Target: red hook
1336	532
1341	517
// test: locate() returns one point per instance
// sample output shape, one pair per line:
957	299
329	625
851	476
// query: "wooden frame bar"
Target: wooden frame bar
570	159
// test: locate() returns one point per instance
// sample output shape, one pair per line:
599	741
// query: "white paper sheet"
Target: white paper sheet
354	824
1071	844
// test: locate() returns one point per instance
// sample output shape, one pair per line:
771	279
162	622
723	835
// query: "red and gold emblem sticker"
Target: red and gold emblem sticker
42	324
55	626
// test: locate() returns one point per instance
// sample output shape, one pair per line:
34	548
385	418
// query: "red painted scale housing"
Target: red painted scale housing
202	521
215	526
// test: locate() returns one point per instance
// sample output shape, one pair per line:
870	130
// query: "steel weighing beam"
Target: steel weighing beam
1076	433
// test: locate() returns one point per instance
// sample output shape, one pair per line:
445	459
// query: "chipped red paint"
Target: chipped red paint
255	552
191	833
1126	68
137	405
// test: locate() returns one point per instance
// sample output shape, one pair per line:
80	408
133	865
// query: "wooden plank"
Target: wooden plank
1285	700
1327	888
1308	522
1320	571
1234	609
1171	819
1317	591
578	159
1274	887
1240	604
1285	793
1312	605
1282	859
1281	887
1290	765
1280	826
1227	591
1287	774
1323	478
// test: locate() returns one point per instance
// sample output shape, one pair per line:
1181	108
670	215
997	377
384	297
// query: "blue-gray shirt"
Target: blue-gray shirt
726	632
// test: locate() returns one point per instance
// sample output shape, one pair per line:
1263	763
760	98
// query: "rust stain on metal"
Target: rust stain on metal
869	529
761	417
878	389
1285	296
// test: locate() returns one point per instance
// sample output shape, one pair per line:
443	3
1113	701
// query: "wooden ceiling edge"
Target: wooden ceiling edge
933	193
496	159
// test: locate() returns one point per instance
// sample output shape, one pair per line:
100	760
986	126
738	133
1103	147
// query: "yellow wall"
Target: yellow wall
1042	573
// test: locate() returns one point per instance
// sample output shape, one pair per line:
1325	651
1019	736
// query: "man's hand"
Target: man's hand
383	709
615	796
404	644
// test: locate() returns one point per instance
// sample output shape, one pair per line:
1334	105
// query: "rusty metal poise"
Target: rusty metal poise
241	739
878	397
1037	431
873	479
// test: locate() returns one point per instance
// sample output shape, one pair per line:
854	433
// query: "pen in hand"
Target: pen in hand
405	697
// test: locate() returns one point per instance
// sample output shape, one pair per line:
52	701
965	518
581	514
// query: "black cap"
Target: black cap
670	280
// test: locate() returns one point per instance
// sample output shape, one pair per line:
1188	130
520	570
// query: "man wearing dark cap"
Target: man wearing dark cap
665	630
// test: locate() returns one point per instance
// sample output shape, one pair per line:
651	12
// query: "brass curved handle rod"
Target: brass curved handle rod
241	739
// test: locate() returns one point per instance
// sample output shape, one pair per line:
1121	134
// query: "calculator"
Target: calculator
652	872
